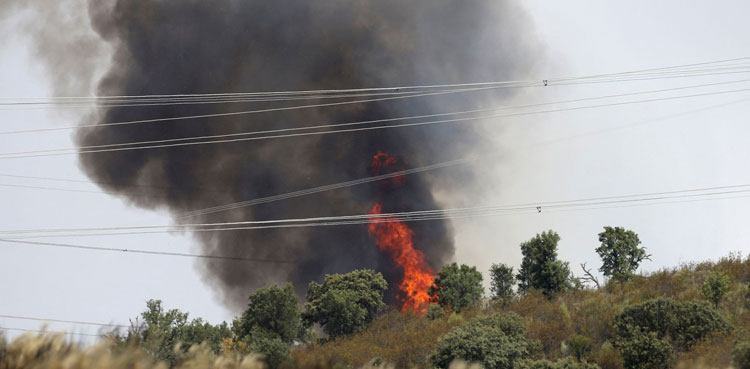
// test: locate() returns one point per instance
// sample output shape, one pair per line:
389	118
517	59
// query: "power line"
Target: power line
319	189
374	89
148	252
322	126
491	85
236	113
62	321
42	153
48	332
382	218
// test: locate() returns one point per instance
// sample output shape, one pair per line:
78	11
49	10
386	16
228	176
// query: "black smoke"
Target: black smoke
190	47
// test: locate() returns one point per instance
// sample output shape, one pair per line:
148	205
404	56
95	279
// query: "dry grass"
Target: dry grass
53	351
406	341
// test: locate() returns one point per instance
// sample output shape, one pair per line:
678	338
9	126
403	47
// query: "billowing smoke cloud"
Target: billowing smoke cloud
190	46
61	39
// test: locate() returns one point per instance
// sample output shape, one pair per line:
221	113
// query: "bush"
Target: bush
495	341
560	364
435	312
607	357
715	286
741	355
645	350
581	346
683	323
457	287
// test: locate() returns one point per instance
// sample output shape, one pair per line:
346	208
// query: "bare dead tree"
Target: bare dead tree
589	277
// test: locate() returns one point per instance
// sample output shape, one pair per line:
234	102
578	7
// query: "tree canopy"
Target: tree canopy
344	303
503	280
540	268
620	253
456	287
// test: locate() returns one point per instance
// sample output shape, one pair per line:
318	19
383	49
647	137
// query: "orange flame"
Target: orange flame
395	239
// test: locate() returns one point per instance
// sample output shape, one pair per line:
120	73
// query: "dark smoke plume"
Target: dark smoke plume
189	46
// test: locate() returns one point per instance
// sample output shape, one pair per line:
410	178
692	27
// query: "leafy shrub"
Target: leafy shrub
741	355
496	341
560	364
645	350
683	323
581	346
457	287
607	357
162	331
549	321
435	311
715	286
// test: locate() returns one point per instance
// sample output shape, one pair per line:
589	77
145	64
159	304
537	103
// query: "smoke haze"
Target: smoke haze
191	47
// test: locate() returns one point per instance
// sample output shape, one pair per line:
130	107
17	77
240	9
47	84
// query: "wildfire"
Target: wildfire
395	239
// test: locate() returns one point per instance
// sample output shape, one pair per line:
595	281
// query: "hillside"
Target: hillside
576	324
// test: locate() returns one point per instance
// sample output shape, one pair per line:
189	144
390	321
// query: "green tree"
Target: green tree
345	303
457	287
682	323
620	253
540	268
496	342
503	280
161	330
273	310
715	286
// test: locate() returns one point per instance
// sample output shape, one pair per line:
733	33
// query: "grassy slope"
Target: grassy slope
407	340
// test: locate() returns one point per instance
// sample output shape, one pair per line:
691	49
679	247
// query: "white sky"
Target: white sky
582	37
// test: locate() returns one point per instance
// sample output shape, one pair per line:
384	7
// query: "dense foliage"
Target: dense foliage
457	287
496	341
160	330
345	303
660	320
540	268
502	281
715	286
741	355
620	253
683	323
270	324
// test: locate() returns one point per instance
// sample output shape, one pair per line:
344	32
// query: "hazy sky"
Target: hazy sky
701	149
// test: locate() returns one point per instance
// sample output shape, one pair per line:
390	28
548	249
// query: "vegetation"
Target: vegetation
620	253
540	268
269	325
345	303
503	280
741	355
456	288
659	320
160	330
715	286
683	324
495	341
